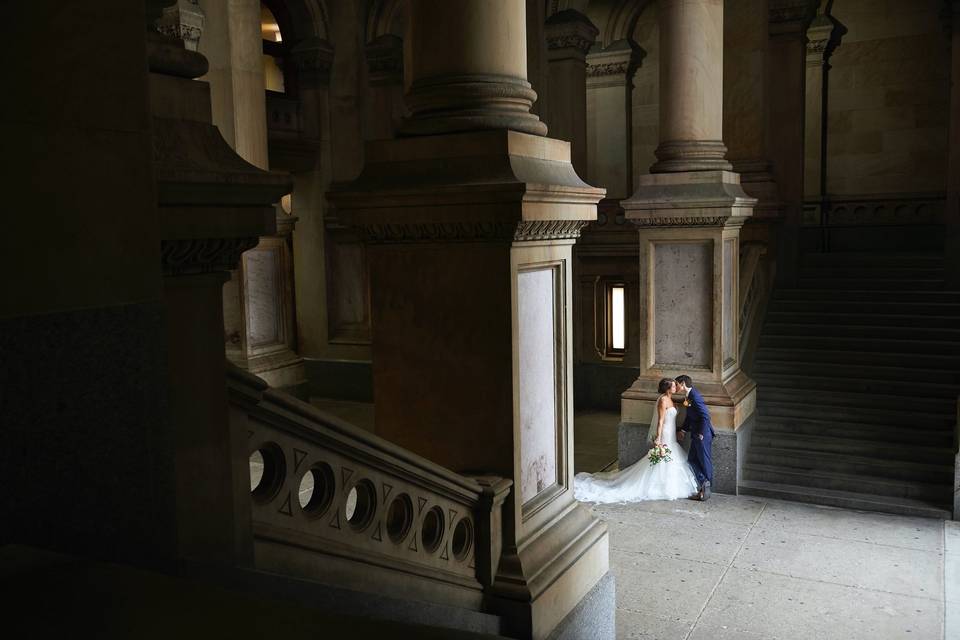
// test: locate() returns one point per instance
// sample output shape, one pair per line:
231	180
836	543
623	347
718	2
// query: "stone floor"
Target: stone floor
744	568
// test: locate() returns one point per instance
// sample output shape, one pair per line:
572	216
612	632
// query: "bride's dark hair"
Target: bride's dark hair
665	385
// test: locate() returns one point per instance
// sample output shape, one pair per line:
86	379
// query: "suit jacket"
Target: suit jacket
697	421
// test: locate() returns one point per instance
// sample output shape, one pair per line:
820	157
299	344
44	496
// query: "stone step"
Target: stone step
861	320
903	402
837	481
891	346
922	361
836	330
822	461
915	449
902	375
870	284
892	304
849	259
845	499
795	407
870	295
894	272
920	383
885	433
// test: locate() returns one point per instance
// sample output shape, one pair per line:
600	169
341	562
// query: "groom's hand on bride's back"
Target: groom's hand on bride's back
680	435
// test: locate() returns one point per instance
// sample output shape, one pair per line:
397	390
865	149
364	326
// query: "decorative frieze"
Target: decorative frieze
202	255
614	65
473	231
184	21
570	32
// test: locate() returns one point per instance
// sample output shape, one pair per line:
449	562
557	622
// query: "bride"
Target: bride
666	480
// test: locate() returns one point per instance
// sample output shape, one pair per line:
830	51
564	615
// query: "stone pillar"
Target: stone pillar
610	116
788	22
570	34
746	102
258	299
212	207
952	210
823	37
385	108
469	241
690	211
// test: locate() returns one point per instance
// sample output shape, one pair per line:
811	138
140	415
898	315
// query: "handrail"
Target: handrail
334	502
755	283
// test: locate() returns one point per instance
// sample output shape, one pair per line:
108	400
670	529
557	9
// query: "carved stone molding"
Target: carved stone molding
202	255
473	231
682	221
313	58
183	21
616	63
385	58
570	30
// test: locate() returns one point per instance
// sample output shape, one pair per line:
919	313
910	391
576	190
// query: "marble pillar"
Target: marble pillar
259	316
690	210
952	210
212	206
469	229
570	34
786	68
610	116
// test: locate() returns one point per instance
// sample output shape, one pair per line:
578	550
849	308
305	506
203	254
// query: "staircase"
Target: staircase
858	373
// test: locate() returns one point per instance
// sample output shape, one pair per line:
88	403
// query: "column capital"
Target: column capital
312	58
385	59
614	65
823	37
570	34
182	20
791	16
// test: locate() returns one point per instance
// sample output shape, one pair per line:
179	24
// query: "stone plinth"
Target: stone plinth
689	293
469	243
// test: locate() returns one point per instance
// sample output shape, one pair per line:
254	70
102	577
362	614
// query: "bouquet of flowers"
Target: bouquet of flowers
660	453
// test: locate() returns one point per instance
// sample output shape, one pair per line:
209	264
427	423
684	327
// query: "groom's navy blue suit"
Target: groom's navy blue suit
698	423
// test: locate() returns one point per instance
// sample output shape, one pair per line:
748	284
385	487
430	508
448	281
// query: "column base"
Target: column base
541	593
676	156
730	402
282	370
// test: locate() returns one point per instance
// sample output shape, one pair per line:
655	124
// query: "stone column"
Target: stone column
788	23
212	206
610	116
258	300
385	108
690	211
952	210
570	34
823	37
469	241
746	103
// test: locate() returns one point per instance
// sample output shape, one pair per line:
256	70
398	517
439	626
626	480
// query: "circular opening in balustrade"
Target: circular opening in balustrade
361	505
317	488
431	531
399	518
462	539
267	469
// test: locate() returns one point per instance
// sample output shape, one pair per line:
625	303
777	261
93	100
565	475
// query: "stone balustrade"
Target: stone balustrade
333	503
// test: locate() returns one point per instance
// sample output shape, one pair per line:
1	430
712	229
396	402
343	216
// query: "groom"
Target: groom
698	424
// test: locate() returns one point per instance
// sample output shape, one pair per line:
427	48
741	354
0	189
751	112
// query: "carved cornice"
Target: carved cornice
682	221
183	21
570	41
476	231
570	30
619	60
202	255
313	59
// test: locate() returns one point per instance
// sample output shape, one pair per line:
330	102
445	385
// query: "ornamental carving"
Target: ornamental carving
183	21
703	221
570	41
203	255
619	68
523	231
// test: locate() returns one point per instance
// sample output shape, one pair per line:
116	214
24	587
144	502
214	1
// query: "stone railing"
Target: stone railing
755	285
825	217
335	504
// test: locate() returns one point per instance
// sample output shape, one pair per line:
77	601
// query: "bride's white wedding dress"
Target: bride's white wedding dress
642	480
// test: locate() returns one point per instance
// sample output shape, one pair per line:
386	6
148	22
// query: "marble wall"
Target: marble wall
682	279
889	98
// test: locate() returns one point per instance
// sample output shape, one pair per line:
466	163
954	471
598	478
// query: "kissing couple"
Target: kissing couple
667	472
